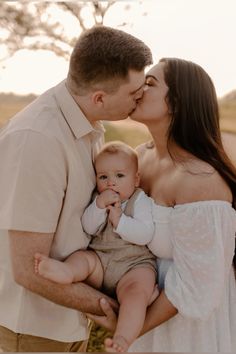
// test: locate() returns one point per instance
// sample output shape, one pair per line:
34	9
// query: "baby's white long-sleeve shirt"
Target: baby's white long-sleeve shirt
138	229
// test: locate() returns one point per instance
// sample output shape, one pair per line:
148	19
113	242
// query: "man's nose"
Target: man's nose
139	94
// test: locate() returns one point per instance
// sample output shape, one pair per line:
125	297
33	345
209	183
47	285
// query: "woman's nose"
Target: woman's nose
139	94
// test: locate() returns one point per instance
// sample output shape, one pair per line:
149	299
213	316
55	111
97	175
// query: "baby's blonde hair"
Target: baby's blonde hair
114	147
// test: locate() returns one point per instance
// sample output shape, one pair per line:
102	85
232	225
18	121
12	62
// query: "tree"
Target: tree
35	25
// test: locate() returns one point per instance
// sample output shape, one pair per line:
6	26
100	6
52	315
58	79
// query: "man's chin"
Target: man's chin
131	114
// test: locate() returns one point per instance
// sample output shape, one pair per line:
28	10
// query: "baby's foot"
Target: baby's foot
117	344
52	269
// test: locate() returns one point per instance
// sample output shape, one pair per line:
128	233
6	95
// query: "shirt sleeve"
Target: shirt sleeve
138	229
203	247
32	181
93	217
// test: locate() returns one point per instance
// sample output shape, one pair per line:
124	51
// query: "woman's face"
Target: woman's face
152	106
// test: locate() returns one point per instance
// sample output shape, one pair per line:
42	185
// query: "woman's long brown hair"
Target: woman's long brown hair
195	118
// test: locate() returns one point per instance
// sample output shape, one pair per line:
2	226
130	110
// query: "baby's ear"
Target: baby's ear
137	179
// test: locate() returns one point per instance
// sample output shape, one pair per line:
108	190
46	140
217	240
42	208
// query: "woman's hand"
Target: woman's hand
109	320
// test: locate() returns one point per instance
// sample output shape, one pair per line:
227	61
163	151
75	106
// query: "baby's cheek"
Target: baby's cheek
102	189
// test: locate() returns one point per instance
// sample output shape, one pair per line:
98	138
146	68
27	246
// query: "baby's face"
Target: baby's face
118	173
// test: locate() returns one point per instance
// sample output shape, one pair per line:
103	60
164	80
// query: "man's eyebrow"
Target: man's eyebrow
151	76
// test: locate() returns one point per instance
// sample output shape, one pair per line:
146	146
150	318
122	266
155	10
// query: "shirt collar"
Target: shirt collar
72	113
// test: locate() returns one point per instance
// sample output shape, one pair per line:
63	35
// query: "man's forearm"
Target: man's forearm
23	247
78	296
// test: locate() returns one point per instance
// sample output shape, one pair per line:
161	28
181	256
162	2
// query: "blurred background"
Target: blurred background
36	39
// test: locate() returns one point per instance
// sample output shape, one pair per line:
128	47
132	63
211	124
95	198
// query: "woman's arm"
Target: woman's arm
161	310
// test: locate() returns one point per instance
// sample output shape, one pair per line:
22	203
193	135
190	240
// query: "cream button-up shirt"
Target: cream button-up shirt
46	181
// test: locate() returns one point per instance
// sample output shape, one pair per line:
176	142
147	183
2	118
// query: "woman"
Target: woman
193	183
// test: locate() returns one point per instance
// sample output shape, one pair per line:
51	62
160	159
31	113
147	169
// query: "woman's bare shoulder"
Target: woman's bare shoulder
203	182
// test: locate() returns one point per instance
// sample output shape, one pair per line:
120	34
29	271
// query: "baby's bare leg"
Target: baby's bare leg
79	266
135	291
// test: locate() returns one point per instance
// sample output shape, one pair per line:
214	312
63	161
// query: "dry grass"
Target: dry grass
128	131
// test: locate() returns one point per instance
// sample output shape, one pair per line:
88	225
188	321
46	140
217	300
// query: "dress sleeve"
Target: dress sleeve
203	247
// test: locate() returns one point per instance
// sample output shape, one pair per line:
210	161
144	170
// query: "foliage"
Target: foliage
35	24
97	336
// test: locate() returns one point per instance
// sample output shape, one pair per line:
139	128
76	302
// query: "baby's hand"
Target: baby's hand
115	212
106	198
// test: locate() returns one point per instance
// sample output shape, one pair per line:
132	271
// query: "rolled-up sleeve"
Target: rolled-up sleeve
203	248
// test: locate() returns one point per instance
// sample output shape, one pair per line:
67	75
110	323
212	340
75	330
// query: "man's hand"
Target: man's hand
106	198
108	320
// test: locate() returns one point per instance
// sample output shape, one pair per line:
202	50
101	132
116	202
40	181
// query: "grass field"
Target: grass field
128	131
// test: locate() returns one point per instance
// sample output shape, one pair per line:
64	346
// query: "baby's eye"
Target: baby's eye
102	177
120	175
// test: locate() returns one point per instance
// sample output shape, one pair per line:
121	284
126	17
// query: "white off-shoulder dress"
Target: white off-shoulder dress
194	243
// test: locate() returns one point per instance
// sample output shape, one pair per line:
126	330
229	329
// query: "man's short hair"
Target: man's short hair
104	55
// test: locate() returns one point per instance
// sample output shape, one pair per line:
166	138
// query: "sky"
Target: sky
203	31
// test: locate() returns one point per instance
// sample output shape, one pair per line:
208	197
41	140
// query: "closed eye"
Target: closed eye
148	83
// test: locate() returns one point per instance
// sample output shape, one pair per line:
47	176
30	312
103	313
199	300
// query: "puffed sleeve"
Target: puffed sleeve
203	246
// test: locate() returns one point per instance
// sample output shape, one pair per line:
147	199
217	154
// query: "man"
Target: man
46	181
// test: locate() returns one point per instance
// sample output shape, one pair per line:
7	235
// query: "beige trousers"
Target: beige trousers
16	342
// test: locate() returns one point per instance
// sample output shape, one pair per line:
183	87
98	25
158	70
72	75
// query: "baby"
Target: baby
117	261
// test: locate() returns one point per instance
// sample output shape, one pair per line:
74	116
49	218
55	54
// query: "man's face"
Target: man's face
121	104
